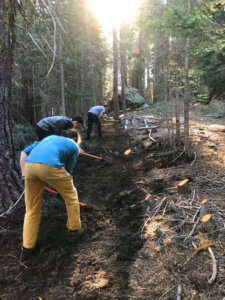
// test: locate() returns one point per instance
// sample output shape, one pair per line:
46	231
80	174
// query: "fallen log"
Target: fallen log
148	127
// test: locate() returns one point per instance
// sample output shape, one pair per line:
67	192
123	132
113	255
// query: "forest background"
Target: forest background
55	60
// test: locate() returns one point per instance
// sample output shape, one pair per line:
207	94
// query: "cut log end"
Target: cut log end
206	218
127	154
204	201
207	223
183	187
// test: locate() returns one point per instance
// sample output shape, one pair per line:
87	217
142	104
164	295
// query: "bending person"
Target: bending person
94	116
49	161
55	124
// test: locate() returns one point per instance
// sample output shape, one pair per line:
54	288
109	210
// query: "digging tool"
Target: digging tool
54	192
106	159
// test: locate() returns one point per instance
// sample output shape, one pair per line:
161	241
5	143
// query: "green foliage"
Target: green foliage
214	108
23	135
202	98
157	108
175	20
82	47
178	22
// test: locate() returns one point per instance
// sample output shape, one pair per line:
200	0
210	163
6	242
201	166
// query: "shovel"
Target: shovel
106	158
54	192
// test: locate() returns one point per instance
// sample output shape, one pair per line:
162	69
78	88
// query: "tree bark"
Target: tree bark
123	65
10	183
63	105
186	93
177	93
115	72
186	98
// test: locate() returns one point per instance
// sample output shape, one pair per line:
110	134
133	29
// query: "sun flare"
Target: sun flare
113	12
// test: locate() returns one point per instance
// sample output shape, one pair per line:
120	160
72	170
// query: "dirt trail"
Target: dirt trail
118	259
97	267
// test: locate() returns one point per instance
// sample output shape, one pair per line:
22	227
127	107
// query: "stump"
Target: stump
127	154
207	223
183	187
203	210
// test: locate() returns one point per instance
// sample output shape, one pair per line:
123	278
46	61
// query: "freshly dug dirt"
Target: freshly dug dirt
137	246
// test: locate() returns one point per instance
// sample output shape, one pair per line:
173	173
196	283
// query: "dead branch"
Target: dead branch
188	237
126	124
48	7
151	138
160	235
194	159
12	206
33	40
177	157
167	292
155	213
214	273
179	292
196	214
169	152
193	198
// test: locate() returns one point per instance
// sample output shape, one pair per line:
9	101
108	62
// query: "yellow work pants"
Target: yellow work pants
36	176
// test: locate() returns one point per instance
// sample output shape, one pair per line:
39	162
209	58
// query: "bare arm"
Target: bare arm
23	156
103	116
81	151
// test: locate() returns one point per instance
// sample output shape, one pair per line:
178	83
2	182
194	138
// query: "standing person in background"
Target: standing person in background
55	124
50	161
94	116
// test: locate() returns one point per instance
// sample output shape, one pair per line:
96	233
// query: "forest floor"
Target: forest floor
141	234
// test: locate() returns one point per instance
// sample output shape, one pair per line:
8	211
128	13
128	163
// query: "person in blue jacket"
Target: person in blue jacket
49	161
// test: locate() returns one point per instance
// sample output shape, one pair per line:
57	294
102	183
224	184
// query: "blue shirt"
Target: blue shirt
54	150
96	110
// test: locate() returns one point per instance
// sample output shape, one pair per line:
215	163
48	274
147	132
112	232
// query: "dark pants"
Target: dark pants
93	119
41	133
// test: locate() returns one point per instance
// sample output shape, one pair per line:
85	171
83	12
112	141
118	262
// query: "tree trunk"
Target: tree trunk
123	65
63	106
158	68
141	64
138	71
115	72
177	93
10	183
186	98
148	93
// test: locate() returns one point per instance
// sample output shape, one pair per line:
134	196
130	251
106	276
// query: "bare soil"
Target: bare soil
137	246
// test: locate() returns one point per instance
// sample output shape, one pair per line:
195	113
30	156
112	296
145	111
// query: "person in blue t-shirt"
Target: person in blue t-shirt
94	115
55	124
49	161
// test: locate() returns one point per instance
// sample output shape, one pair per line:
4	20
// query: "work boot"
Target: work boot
26	254
75	235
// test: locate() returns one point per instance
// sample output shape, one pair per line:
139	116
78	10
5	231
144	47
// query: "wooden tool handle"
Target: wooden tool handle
94	156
